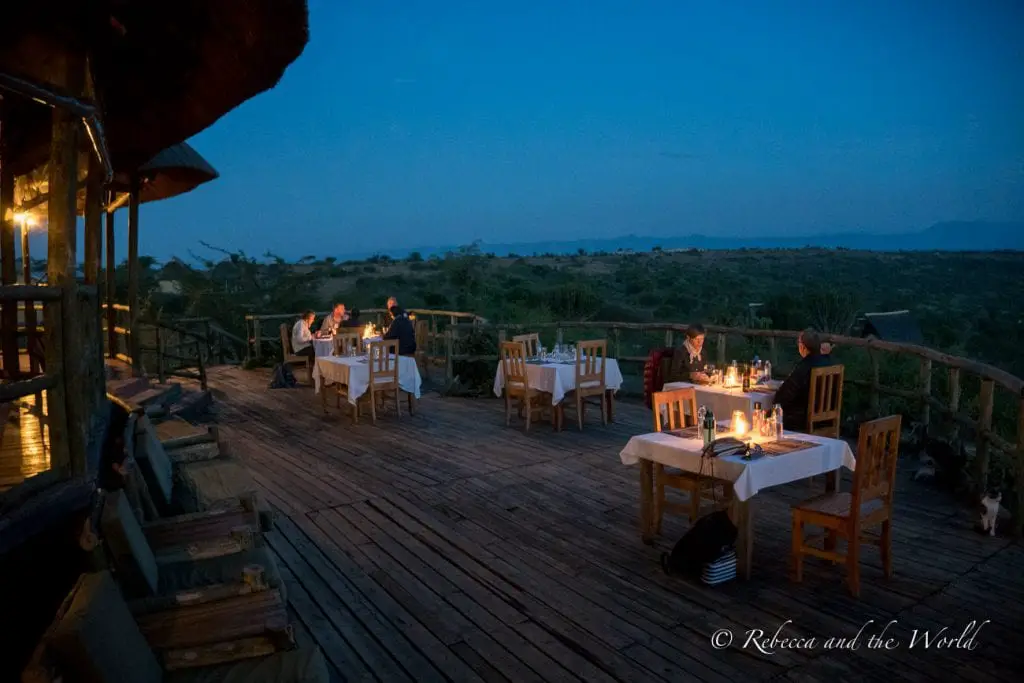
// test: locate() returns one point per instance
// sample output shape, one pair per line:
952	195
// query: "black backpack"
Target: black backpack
283	377
708	539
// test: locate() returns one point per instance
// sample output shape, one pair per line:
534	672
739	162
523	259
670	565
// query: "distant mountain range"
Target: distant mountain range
950	236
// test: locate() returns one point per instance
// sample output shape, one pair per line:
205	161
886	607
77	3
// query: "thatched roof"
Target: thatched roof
896	326
174	171
161	71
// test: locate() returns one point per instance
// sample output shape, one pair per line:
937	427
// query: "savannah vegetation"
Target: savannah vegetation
967	304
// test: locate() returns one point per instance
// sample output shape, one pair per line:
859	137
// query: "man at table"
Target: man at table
352	319
402	329
333	322
302	338
686	365
796	390
389	317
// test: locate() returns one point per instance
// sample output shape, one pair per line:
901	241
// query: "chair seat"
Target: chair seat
838	505
377	381
591	384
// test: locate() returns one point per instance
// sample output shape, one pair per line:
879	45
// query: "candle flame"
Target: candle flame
368	331
739	423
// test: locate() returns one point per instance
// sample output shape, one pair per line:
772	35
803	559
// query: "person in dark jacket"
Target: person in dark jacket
402	329
686	364
353	319
795	392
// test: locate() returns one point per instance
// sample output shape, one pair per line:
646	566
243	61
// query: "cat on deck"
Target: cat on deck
989	510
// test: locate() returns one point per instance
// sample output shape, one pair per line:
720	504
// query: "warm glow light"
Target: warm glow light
25	219
368	331
739	423
732	377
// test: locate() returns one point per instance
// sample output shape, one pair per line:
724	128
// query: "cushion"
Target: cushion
133	557
156	465
212	484
179	576
304	665
98	640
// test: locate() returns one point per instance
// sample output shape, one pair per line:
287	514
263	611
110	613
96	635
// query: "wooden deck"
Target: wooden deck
24	440
446	546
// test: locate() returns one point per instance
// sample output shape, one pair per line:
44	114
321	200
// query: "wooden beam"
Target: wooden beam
110	290
8	272
30	307
985	403
1018	517
93	309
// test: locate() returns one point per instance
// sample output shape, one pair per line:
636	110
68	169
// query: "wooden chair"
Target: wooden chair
825	401
696	487
288	357
531	342
345	342
383	362
517	385
590	374
848	514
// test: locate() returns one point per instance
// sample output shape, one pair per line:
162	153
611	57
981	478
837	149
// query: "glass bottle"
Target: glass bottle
777	417
767	370
756	419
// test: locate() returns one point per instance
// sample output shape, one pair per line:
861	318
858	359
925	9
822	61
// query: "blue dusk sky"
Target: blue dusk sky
411	122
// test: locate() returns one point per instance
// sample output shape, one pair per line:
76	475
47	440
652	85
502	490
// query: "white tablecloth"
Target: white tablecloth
747	476
323	347
723	401
355	372
558	378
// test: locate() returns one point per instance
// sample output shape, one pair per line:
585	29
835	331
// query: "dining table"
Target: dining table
725	400
354	372
558	377
794	457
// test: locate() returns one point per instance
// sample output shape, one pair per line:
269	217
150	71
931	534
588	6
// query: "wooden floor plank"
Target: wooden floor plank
444	546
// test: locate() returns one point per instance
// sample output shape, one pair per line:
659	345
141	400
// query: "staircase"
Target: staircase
170	405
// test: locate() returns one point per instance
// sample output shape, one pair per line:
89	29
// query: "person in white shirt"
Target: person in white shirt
302	338
333	321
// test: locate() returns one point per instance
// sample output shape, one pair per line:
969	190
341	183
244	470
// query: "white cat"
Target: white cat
990	511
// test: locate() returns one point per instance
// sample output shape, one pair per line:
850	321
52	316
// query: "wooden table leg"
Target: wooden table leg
743	519
646	501
831	486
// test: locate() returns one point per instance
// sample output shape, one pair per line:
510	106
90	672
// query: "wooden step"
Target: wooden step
158	394
176	428
192	405
127	387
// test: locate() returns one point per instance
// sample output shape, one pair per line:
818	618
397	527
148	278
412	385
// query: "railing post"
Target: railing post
161	375
202	365
985	404
773	352
875	384
257	337
449	350
1018	479
669	341
502	334
558	335
954	402
721	349
618	345
926	393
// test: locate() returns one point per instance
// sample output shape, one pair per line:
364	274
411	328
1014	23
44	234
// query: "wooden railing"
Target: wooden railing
170	350
994	384
437	322
117	332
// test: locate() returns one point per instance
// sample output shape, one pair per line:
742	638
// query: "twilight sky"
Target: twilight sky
421	122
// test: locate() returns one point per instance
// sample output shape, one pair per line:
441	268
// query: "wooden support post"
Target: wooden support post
720	350
669	341
773	352
67	408
875	384
985	405
133	276
202	365
502	335
161	375
1018	516
110	291
8	272
926	394
618	343
93	348
30	306
257	339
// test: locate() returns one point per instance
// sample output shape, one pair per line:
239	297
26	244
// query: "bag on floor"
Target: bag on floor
283	377
708	539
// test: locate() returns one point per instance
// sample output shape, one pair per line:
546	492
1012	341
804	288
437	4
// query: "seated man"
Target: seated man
302	338
333	322
686	363
352	319
402	329
389	317
795	392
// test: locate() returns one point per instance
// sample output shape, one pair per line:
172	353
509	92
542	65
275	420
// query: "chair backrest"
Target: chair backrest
825	401
286	342
590	365
345	342
674	403
878	450
513	363
383	362
531	341
95	638
156	466
132	555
